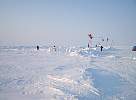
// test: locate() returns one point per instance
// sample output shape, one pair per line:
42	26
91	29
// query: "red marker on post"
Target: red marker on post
90	40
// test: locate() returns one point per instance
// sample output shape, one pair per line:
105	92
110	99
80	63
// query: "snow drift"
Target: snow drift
74	73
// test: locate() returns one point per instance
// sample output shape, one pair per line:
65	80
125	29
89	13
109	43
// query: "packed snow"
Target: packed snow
67	73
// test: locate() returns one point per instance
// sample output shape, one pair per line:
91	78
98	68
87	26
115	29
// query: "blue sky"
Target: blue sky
31	22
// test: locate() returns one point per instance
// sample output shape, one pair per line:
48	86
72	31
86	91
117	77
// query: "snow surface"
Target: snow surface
73	73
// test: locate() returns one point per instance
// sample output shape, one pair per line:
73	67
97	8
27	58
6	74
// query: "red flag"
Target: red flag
90	35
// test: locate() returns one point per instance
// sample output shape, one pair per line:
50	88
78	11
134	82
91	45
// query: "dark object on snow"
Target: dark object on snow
88	45
101	48
134	48
54	47
90	35
37	47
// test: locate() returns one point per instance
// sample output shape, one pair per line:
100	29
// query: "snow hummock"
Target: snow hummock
67	73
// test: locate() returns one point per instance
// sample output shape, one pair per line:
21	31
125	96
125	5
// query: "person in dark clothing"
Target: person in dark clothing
54	47
101	47
134	48
37	47
88	45
96	45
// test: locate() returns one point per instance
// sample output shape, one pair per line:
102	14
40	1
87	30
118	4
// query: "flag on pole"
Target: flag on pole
90	40
90	35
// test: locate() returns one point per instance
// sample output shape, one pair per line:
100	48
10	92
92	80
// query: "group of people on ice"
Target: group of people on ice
97	45
89	43
54	48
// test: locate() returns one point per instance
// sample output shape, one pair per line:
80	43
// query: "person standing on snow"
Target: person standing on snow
37	47
101	47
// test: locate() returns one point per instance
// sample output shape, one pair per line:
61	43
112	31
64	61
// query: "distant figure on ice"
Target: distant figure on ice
96	45
107	39
88	45
134	48
101	47
54	47
37	47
